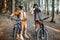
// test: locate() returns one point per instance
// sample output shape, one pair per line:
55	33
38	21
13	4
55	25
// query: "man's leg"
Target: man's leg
21	34
25	30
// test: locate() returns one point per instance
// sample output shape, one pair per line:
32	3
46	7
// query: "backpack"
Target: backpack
40	16
18	13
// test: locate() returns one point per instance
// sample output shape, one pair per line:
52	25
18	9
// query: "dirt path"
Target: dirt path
6	28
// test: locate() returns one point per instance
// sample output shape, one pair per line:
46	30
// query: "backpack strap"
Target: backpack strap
18	15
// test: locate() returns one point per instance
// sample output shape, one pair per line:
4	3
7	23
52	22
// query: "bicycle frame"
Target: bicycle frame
17	22
16	29
18	25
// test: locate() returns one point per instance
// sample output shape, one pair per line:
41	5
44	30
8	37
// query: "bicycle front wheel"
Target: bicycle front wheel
14	33
41	35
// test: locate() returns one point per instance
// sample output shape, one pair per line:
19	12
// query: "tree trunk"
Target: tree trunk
13	5
47	8
45	5
52	20
57	7
0	5
39	2
27	5
42	3
5	5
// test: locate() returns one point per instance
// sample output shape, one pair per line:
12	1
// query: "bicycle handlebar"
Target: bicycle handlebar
16	19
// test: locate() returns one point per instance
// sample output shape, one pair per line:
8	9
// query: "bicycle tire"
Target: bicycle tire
15	32
39	34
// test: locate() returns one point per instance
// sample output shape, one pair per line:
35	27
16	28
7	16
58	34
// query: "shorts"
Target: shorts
38	22
23	23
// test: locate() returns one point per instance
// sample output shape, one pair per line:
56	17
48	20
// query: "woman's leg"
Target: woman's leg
36	25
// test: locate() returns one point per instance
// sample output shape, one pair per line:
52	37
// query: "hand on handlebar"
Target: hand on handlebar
24	19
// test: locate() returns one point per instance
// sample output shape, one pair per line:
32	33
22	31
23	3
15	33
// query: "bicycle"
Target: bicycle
16	29
42	33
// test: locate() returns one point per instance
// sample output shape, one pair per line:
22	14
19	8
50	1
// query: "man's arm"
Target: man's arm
15	13
12	14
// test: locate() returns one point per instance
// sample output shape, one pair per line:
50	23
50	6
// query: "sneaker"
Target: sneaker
18	37
21	37
26	36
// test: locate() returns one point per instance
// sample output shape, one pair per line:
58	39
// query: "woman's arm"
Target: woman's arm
32	11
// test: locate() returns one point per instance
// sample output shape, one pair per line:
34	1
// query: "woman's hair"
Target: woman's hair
35	5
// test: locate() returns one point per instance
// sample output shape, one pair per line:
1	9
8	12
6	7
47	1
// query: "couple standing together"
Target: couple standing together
21	14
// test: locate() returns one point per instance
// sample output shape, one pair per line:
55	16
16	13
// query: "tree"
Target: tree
13	5
9	6
52	20
57	7
39	2
0	5
5	5
47	8
45	5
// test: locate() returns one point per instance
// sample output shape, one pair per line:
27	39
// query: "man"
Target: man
22	16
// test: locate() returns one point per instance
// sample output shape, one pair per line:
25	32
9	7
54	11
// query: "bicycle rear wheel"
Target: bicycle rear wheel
41	35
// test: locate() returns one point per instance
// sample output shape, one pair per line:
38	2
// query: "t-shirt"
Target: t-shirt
36	13
23	15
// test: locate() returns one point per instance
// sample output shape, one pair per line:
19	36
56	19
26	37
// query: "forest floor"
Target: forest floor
6	28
